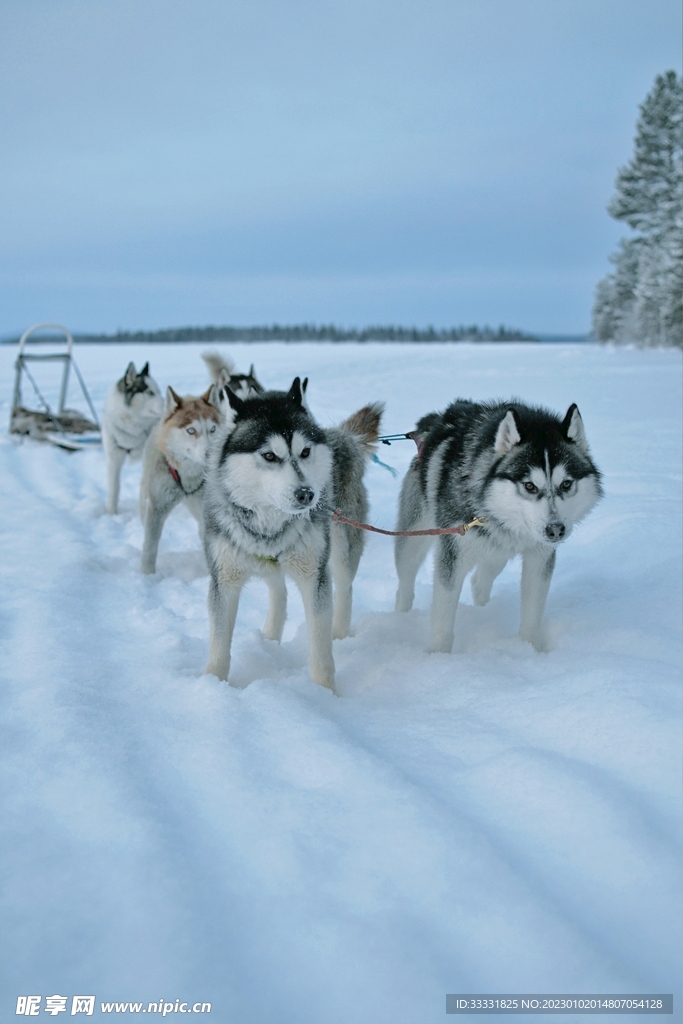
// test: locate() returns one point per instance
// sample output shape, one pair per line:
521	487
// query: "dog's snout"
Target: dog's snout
555	531
304	495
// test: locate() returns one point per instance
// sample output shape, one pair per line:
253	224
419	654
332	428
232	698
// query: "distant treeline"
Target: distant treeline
311	332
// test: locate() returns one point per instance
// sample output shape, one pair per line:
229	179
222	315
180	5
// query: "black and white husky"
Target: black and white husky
524	470
274	476
132	409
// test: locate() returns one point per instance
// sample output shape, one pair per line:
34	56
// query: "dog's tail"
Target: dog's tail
364	425
220	368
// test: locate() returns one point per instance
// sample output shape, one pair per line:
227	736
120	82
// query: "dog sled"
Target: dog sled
67	428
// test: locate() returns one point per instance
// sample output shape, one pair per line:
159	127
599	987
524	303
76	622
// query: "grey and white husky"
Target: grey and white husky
273	477
132	409
524	470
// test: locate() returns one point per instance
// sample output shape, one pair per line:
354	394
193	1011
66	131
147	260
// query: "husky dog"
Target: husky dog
173	465
524	470
273	477
131	410
222	371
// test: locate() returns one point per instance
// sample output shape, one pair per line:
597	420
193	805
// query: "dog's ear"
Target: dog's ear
254	384
214	393
221	400
144	372
206	397
236	403
129	376
173	401
507	435
572	427
295	394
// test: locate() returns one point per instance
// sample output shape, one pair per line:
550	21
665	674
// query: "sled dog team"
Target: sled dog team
263	480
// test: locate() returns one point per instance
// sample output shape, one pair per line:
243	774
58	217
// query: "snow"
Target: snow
495	820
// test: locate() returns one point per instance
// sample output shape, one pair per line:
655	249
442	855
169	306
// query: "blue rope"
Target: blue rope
394	472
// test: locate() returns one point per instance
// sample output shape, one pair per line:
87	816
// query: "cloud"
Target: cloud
340	138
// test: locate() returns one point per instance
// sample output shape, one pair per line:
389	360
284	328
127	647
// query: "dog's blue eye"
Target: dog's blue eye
269	456
191	430
530	488
305	453
213	429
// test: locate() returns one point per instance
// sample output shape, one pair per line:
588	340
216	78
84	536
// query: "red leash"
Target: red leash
337	517
413	435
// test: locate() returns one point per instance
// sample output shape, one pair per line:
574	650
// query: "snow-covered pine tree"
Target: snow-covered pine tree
642	300
613	311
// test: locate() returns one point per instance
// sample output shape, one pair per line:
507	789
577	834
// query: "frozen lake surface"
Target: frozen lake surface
494	820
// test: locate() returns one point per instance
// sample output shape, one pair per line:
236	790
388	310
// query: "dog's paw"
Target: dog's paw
220	671
404	601
324	677
440	644
538	641
481	589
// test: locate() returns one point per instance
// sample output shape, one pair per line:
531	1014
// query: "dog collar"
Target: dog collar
176	476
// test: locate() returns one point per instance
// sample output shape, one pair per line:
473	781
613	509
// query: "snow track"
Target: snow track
493	820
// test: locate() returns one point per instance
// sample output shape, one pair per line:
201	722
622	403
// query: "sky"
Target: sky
353	162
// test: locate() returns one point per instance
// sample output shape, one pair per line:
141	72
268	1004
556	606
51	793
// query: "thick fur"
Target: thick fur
528	472
131	411
274	477
174	463
352	443
222	370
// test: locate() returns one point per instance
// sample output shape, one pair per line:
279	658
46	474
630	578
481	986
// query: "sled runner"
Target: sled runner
66	428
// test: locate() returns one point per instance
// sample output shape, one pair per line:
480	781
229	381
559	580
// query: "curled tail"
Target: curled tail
220	368
364	425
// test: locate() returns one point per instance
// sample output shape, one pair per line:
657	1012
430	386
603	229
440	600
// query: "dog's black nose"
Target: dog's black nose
304	495
555	531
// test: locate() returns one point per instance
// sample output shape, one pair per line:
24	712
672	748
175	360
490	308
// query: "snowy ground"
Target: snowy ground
495	820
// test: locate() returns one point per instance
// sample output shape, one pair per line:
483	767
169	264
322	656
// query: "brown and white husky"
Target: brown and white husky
173	464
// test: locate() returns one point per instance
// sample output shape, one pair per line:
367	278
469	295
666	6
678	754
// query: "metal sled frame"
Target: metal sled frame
66	427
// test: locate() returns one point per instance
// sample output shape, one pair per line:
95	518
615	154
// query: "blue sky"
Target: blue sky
355	162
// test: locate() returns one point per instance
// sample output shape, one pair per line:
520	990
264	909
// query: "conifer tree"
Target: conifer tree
642	300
